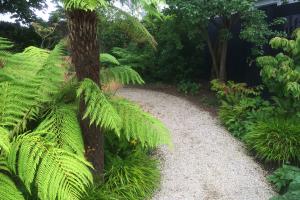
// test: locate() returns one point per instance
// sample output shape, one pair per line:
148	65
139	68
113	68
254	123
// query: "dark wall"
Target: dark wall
239	51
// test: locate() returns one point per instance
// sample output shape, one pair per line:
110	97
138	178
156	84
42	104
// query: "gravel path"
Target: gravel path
207	163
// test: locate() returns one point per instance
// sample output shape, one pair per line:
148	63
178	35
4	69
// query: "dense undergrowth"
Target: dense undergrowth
269	127
41	144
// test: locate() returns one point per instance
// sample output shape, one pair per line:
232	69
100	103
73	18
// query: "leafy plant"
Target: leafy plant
188	87
281	74
231	92
133	177
41	141
238	118
275	139
287	182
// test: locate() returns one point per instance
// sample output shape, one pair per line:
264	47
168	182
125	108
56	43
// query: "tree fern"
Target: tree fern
139	125
121	74
99	110
8	189
56	173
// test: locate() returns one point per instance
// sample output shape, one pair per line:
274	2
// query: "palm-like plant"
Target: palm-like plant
41	141
82	23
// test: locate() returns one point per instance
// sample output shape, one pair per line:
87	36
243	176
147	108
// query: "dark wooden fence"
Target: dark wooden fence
238	67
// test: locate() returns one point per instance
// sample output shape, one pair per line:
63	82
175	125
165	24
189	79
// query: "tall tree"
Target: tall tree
222	16
22	9
82	23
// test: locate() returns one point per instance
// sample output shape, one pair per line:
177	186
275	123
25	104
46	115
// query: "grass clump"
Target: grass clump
275	139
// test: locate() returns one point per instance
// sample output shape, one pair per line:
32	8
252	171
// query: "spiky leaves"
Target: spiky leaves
122	116
56	173
8	189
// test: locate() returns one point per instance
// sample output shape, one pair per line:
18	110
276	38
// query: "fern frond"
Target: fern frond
108	59
29	88
8	189
87	5
58	174
63	122
134	28
139	125
4	141
99	110
121	74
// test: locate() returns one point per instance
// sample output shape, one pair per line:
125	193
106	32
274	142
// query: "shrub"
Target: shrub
287	182
134	177
275	139
188	87
239	117
232	92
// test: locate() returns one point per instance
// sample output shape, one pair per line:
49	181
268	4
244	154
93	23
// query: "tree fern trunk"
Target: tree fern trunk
85	57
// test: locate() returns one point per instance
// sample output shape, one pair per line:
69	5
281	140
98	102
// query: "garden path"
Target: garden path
207	163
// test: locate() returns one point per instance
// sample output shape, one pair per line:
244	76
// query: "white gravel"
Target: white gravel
207	163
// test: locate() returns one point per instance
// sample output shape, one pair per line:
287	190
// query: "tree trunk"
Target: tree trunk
85	57
212	52
223	60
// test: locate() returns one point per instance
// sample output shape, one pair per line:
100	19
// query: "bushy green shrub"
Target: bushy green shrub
275	139
135	176
239	104
287	182
188	87
238	118
231	92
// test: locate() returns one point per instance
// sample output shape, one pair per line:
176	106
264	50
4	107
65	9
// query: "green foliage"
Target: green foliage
188	87
151	133
223	15
58	174
8	189
108	59
122	74
86	5
231	92
134	177
41	146
287	181
23	10
275	139
29	86
63	123
99	110
239	117
280	73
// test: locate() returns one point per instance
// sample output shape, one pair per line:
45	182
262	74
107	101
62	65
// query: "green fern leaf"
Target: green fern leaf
4	141
139	125
63	122
99	110
108	59
121	74
56	173
8	189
